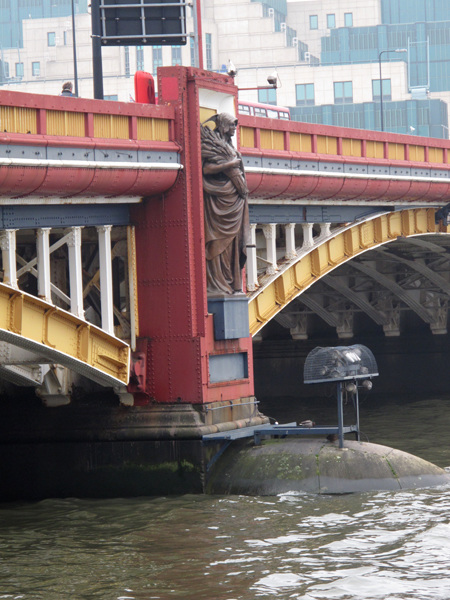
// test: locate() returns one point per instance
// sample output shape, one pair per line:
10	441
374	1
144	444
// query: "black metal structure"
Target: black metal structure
97	65
143	22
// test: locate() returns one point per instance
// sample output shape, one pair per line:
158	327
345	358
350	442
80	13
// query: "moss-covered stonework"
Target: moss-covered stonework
294	464
101	469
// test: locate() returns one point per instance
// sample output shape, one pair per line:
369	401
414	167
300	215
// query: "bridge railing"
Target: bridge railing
273	137
38	114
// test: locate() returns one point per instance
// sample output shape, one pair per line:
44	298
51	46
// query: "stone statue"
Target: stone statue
226	209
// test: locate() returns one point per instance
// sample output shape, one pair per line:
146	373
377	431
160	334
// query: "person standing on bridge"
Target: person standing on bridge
67	89
226	207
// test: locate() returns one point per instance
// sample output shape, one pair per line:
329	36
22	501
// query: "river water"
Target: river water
381	545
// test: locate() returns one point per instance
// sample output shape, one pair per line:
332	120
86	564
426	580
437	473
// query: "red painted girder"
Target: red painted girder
67	181
340	186
19	182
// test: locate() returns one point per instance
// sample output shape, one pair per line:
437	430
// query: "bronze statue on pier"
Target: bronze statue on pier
226	208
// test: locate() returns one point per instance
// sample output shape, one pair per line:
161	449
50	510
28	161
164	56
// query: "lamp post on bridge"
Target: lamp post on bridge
381	82
74	42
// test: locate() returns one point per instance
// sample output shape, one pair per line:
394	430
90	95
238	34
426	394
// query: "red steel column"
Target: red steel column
175	328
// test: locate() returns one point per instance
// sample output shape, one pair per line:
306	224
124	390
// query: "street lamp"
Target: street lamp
381	82
75	70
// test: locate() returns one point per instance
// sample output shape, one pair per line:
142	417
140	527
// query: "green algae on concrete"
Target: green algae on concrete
315	466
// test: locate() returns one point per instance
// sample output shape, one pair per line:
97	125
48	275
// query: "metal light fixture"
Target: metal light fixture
344	365
381	82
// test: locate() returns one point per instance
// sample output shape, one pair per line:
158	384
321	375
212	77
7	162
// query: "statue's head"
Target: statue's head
226	124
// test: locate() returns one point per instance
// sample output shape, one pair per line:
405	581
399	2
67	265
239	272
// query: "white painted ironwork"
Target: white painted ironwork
106	288
75	272
308	239
270	234
8	246
251	267
43	263
289	230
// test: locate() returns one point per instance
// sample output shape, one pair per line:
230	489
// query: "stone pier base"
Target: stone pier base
102	449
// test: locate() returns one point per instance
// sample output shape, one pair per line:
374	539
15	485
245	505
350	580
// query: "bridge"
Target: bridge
73	170
102	243
323	196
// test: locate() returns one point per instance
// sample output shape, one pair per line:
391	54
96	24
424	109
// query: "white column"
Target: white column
43	263
307	235
8	246
325	230
106	288
75	272
251	266
270	233
289	230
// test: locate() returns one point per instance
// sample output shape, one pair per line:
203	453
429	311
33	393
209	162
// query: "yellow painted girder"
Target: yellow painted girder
31	323
345	245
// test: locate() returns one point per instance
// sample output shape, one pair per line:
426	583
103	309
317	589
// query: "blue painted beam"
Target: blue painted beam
289	213
65	215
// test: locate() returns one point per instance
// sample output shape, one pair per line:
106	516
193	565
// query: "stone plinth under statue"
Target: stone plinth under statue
230	316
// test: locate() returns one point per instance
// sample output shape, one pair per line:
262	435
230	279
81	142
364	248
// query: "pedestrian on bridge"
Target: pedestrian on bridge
67	89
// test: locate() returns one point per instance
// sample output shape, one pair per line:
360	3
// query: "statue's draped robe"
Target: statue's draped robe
226	227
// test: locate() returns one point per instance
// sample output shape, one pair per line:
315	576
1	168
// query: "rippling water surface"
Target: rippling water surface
389	545
378	545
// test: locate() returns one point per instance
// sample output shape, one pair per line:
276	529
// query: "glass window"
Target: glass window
157	58
176	55
313	22
208	40
51	38
244	110
19	69
386	89
331	21
304	94
260	112
127	61
272	114
114	97
67	38
35	68
139	58
348	19
267	96
343	92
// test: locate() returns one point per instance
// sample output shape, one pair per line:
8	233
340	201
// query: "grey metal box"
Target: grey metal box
230	316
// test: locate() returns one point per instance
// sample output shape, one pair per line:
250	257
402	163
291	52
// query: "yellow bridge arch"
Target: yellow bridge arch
297	275
55	335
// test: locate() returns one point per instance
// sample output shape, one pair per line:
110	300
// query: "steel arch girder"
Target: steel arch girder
344	244
60	337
